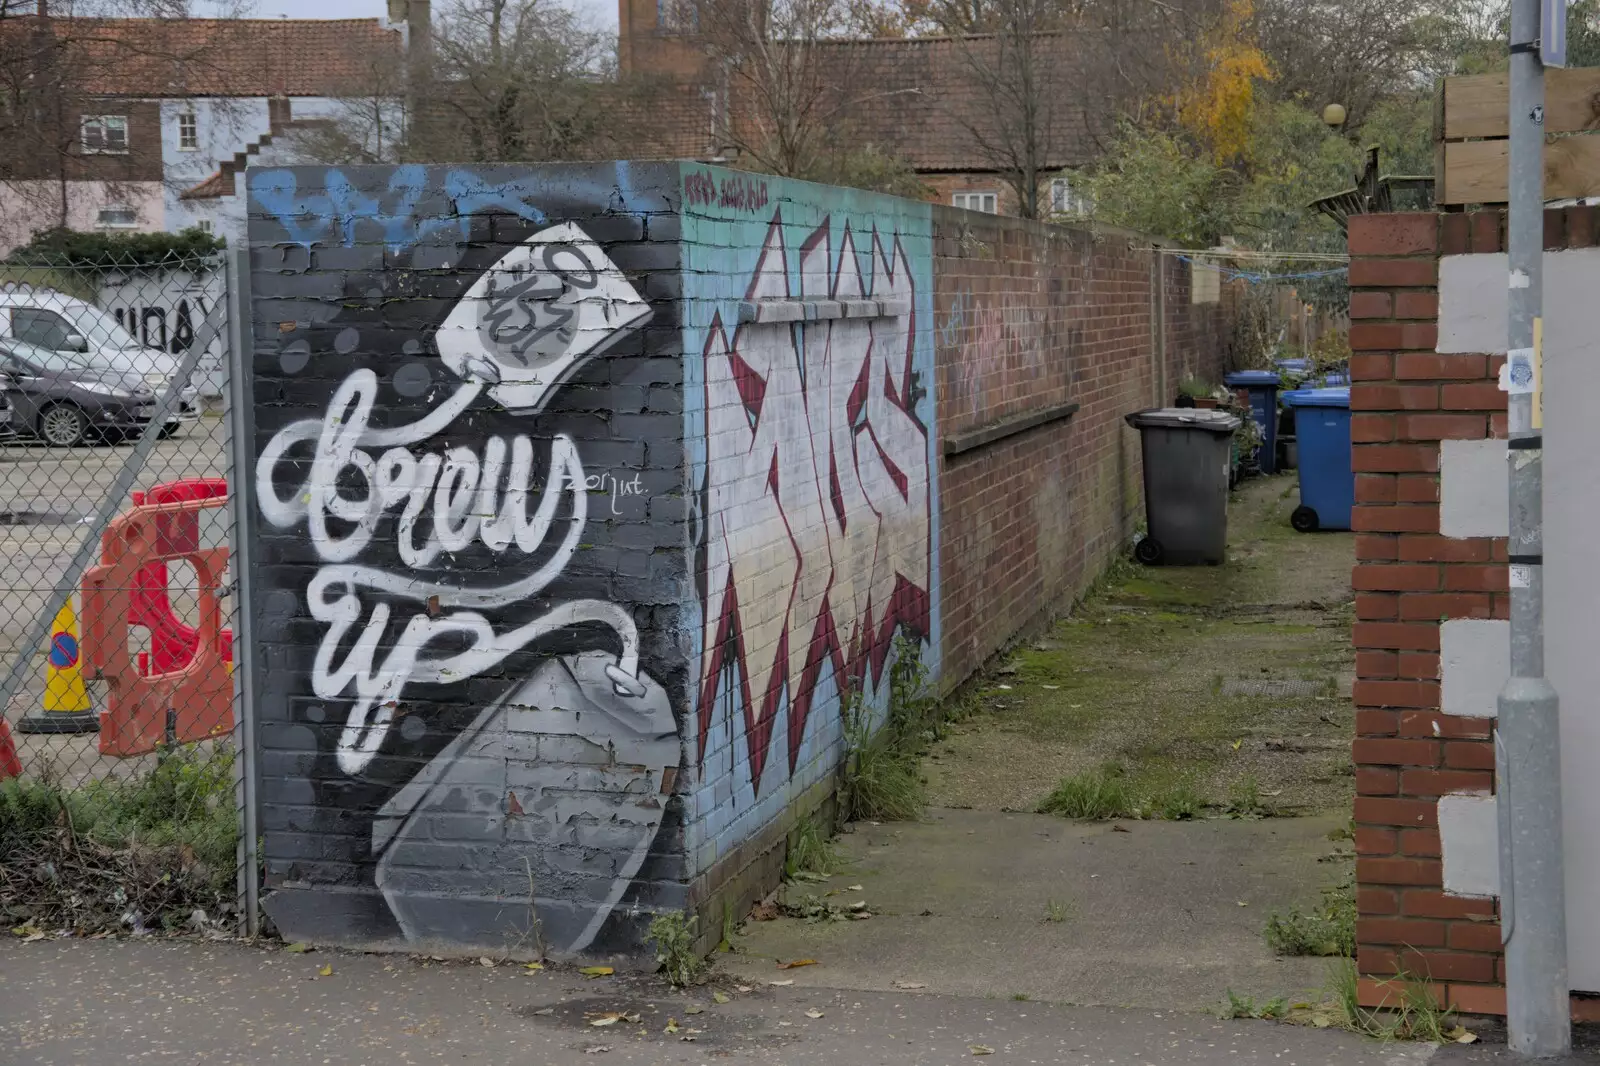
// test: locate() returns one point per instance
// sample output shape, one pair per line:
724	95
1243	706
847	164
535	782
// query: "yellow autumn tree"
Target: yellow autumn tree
1216	106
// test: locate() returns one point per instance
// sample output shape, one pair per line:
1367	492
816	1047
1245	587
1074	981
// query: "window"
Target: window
44	328
118	217
1065	200
203	225
976	201
105	134
188	132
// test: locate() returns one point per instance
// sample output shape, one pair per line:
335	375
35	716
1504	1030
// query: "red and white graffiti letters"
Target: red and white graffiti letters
817	490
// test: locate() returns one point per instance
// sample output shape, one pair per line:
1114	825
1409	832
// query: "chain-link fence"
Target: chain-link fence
120	798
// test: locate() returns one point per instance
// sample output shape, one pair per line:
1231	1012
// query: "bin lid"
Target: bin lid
1250	377
1293	363
1337	397
1211	420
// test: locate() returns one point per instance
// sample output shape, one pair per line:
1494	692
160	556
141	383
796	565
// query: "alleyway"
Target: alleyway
1209	701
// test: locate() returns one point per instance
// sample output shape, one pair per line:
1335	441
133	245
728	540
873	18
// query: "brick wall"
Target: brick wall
588	494
1027	318
1426	584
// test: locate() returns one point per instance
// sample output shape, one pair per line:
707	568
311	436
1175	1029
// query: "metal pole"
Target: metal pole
241	502
1527	741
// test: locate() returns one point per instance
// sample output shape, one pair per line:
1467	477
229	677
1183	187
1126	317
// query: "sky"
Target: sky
602	12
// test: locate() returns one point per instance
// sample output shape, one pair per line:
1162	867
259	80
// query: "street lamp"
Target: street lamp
1334	115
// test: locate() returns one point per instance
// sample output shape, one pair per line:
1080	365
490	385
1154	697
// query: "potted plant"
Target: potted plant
1192	392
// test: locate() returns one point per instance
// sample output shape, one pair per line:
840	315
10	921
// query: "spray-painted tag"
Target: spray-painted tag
1521	576
1520	375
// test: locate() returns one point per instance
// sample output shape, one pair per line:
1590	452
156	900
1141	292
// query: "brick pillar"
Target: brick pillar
1409	578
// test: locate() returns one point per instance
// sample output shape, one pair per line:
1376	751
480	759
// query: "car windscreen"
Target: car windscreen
100	329
43	359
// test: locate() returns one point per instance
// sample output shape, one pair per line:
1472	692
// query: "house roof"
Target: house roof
926	97
220	57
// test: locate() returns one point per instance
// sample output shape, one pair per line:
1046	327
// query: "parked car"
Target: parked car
64	400
67	325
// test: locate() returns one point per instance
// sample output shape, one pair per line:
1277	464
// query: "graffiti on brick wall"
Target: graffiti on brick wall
816	550
499	728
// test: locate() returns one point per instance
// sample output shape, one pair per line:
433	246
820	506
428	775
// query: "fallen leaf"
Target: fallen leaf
859	916
609	1018
858	905
1007	688
598	1049
1120	828
1244	903
854	888
24	930
781	984
720	997
693	1033
689	1038
484	960
1052	688
597	971
533	966
980	1049
326	971
797	963
1462	1035
672	1026
1299	1006
1237	743
544	1012
910	986
694	1008
32	938
742	989
299	949
813	1013
786	1023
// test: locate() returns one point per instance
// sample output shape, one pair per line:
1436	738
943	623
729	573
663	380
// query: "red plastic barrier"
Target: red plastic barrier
10	765
172	642
199	691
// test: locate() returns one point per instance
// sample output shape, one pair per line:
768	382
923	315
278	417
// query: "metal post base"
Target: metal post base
60	722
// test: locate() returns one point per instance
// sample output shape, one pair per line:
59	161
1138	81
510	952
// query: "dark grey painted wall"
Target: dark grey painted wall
471	538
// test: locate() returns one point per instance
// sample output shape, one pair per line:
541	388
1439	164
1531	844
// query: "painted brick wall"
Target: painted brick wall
590	496
1431	602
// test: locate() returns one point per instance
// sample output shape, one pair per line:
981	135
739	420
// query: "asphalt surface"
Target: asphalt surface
122	1001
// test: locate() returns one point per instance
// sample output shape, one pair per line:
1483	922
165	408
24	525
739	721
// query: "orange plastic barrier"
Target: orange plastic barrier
172	642
199	690
10	765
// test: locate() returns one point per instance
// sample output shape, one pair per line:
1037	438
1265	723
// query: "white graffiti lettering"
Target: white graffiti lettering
817	489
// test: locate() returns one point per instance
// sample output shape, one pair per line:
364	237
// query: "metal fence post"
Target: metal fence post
239	416
1528	741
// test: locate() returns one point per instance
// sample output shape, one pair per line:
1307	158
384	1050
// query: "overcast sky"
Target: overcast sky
602	12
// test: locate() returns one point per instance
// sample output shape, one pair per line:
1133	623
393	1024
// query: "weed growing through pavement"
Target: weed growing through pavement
673	936
812	854
1239	1006
1057	911
1094	795
1178	803
882	774
1327	929
1412	1012
1245	799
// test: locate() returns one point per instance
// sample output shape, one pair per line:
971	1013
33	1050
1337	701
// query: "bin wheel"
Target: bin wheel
1304	519
1149	551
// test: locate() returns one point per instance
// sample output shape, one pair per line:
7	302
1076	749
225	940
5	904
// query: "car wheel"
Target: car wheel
169	431
63	425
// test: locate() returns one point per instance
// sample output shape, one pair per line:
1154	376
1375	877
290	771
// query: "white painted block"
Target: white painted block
1473	297
1474	662
1469	839
1473	489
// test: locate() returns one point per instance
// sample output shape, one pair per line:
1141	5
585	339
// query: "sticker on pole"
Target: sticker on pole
63	650
1521	576
1520	375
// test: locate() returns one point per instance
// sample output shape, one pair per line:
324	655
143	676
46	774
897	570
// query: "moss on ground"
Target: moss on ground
1135	679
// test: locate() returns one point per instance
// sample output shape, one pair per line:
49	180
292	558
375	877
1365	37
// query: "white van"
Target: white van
62	323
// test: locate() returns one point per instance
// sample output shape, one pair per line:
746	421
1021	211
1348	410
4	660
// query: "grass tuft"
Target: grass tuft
812	853
1094	795
1329	929
673	937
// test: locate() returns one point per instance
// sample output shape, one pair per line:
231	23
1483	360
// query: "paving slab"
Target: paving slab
1161	915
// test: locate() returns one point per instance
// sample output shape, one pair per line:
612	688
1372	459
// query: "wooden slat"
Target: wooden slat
1475	171
1476	105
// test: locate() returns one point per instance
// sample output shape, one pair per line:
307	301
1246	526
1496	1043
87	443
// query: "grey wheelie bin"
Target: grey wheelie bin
1187	452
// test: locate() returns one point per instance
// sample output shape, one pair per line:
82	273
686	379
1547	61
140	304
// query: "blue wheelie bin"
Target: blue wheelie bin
1260	388
1327	476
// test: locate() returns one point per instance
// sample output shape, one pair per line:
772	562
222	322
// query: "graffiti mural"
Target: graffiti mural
815	449
810	424
476	700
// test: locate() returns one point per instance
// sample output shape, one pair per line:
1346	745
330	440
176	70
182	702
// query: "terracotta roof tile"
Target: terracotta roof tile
221	57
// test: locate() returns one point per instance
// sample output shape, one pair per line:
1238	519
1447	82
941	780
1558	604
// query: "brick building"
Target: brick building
917	99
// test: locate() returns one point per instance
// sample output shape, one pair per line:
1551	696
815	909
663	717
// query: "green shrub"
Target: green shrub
78	249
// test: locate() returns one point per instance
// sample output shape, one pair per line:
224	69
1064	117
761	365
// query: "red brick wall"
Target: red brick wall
1405	399
1028	316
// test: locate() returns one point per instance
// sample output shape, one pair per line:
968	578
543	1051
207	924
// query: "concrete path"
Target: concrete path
1162	915
69	1002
